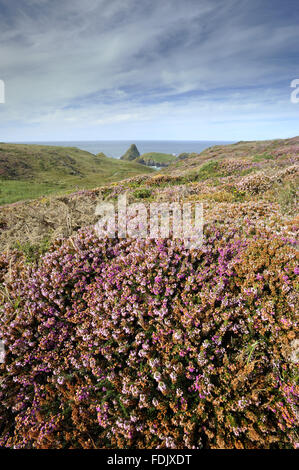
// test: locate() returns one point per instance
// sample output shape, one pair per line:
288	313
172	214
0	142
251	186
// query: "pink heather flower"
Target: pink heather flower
162	387
173	376
157	376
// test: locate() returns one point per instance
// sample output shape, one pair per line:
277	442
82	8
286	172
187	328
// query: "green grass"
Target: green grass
264	156
13	191
142	193
287	196
159	158
31	171
32	252
206	171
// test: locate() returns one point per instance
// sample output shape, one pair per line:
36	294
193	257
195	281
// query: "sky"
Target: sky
148	69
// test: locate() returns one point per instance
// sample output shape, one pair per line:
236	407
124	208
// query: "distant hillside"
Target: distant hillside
29	171
156	159
261	152
247	179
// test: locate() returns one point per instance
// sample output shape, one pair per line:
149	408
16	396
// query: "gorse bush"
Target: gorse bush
142	193
143	344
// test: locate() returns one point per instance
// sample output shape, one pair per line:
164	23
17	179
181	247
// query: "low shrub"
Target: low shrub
255	183
142	193
165	180
143	344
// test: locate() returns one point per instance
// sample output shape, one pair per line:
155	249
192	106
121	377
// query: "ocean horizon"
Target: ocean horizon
116	148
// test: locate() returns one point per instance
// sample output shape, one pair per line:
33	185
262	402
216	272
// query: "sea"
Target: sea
116	148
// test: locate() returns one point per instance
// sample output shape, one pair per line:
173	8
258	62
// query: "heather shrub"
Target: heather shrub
255	183
143	344
164	180
226	195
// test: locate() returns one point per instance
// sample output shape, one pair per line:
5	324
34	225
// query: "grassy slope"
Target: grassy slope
255	150
30	171
164	158
218	177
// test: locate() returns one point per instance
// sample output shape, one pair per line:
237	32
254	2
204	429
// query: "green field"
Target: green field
156	158
31	171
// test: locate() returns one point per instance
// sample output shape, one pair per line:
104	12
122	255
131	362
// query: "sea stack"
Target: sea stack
131	154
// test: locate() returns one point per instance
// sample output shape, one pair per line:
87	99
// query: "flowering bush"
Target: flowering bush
287	151
143	344
261	182
255	183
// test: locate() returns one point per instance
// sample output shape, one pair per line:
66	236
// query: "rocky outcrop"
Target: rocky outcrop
131	154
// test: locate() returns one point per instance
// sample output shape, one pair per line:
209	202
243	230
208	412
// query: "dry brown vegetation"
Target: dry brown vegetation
234	182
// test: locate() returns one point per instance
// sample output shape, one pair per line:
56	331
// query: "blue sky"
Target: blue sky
148	69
